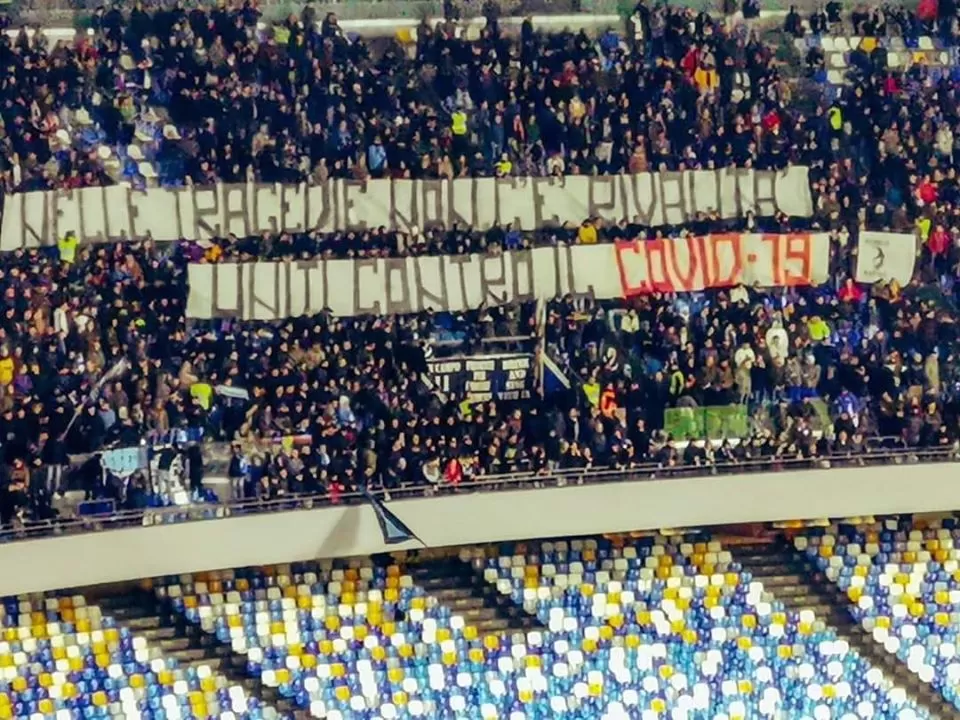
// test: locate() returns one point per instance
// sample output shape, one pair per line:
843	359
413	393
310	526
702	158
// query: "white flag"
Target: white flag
882	257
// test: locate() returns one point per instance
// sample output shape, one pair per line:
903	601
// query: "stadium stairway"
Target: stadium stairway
787	578
457	585
141	611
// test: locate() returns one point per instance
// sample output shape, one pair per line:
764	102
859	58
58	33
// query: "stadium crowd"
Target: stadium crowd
181	97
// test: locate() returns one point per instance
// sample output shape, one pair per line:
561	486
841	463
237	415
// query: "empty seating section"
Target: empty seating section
690	631
338	639
655	629
903	584
63	659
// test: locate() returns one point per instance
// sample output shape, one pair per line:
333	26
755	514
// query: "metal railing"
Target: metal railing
494	483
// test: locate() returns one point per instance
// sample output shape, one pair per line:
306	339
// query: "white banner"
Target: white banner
882	257
672	198
277	290
455	283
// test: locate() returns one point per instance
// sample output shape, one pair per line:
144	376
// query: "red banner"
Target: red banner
716	261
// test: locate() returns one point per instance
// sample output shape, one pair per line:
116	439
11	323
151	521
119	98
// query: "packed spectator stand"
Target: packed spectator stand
177	98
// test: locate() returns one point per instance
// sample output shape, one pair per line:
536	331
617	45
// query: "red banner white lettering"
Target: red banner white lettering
697	263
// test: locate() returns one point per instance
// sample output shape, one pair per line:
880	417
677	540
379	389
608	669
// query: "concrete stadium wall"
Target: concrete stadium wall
127	554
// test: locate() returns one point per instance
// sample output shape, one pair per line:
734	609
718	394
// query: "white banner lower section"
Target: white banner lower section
277	290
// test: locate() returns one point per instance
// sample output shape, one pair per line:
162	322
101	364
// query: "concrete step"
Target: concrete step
141	623
780	579
493	624
474	615
189	655
462	604
155	634
173	645
451	594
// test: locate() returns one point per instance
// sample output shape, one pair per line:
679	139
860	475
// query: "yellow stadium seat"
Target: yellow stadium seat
400	698
589	645
308	662
338	670
470	632
476	655
342	693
